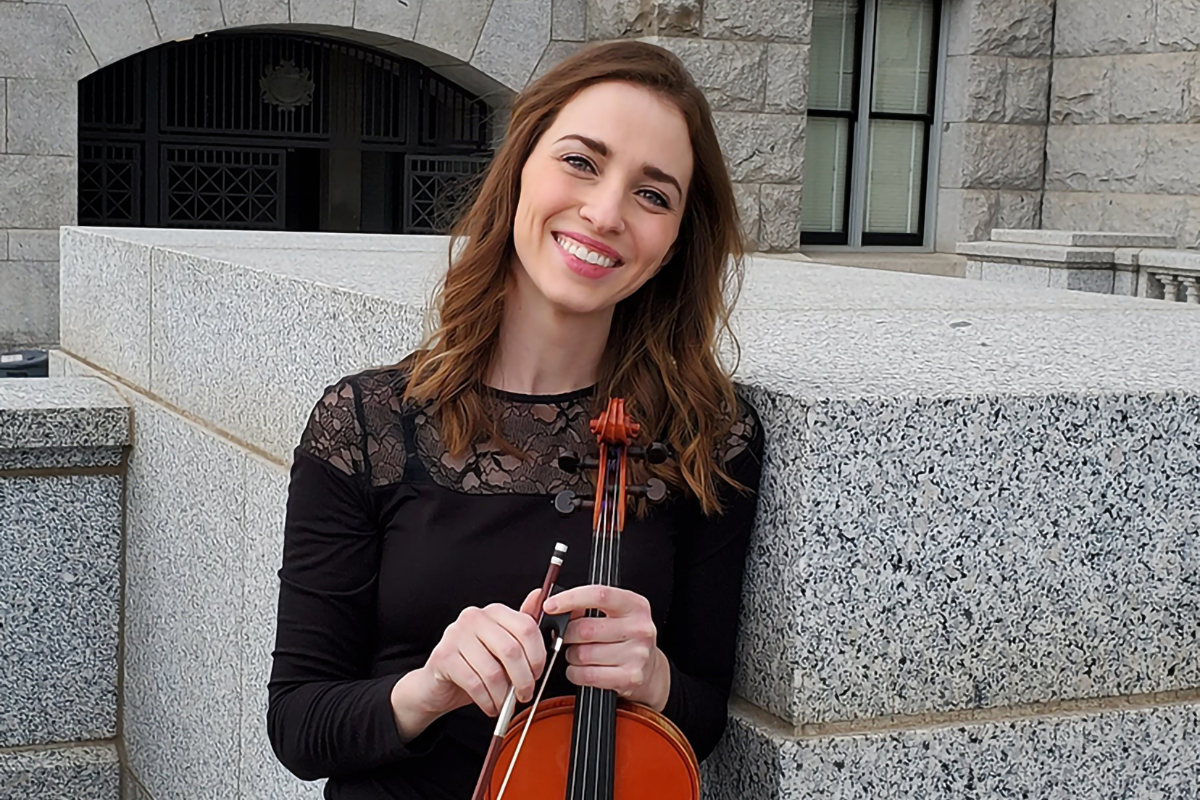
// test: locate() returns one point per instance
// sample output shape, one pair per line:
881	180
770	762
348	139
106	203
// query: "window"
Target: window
869	121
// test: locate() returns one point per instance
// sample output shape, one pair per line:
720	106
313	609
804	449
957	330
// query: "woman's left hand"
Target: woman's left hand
618	651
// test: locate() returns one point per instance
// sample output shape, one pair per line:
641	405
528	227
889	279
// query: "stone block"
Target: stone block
1163	214
1096	158
974	89
452	26
1152	88
66	773
747	196
1081	93
1073	210
239	13
1020	209
262	776
788	21
178	19
1174	259
37	191
1083	280
1020	28
965	215
1084	28
1178	24
622	19
1125	283
1074	238
1016	274
1026	85
732	75
319	12
29	303
185	552
42	117
209	313
57	413
387	17
1040	252
1173	160
513	39
59	573
41	41
1122	752
762	147
33	245
105	286
3	116
780	218
787	78
3	245
987	156
115	29
552	55
568	20
974	271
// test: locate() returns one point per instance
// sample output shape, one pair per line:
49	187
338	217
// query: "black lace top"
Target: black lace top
388	538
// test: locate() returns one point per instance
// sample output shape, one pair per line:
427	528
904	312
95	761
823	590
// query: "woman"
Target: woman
419	520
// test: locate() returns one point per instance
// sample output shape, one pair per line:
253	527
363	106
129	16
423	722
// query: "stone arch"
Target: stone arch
489	47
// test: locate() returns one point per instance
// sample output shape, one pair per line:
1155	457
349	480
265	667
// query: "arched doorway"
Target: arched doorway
276	131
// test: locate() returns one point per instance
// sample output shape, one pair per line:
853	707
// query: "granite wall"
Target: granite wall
62	478
1124	147
973	573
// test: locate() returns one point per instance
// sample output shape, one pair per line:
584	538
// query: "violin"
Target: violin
593	746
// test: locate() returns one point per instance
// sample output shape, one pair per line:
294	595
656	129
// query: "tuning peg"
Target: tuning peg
569	461
654	490
567	501
655	452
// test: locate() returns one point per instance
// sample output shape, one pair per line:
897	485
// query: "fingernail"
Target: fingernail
550	606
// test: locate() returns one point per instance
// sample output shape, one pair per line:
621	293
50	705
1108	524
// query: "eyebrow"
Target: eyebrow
650	171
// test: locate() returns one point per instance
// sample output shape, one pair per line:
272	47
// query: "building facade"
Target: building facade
848	124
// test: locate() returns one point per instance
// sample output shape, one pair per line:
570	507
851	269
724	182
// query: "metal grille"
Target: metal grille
451	116
438	188
109	183
387	84
246	85
223	188
111	99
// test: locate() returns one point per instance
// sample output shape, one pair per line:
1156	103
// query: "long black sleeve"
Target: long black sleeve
701	633
326	716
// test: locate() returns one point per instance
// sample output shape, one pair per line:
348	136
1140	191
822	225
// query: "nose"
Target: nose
604	209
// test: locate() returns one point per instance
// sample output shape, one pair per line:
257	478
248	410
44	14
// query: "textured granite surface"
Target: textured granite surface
1082	238
204	543
60	457
1118	754
59	607
919	554
185	549
90	772
55	412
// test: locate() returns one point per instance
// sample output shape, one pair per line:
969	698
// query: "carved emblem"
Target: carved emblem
287	86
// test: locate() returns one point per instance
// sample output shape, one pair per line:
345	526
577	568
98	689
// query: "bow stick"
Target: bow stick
510	701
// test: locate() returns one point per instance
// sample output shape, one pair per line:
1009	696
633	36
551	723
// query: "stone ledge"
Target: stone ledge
1082	238
61	413
61	773
1049	254
1133	753
1175	259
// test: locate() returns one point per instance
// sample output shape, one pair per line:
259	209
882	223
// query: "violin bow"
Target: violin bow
510	701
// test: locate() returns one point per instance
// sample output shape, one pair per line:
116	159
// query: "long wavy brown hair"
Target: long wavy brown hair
662	354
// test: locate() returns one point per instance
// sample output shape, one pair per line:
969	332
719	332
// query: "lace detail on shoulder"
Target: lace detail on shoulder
382	408
539	429
333	433
742	434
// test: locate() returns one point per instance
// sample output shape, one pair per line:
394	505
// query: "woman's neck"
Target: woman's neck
545	351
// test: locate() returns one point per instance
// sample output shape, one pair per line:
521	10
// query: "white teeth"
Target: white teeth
583	254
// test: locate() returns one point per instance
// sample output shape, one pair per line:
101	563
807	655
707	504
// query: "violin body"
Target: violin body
653	759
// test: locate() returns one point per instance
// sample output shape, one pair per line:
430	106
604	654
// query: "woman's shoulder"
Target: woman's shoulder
350	411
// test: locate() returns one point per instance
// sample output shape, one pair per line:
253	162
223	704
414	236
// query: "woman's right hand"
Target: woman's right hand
480	655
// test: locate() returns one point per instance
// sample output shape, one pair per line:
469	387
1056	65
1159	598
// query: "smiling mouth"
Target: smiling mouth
584	254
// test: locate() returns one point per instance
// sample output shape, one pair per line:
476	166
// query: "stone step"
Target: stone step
1082	238
1147	752
61	773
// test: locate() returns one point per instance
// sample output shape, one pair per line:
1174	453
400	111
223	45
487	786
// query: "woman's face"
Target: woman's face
602	197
